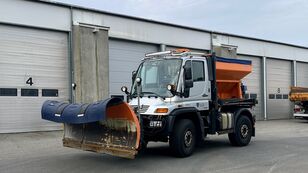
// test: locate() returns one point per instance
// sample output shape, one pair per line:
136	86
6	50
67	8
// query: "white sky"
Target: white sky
278	20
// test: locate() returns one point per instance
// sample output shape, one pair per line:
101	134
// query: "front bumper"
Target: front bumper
300	115
152	131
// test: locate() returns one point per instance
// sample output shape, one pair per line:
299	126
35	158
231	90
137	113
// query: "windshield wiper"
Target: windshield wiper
146	92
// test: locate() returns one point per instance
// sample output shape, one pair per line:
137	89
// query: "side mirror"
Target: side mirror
187	73
186	93
188	81
134	74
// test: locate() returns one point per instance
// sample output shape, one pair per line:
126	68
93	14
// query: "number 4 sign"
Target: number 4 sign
29	81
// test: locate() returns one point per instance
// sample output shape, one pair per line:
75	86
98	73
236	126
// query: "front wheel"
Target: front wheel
183	139
243	132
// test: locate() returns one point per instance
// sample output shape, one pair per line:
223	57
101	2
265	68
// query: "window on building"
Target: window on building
253	96
29	92
50	93
271	96
278	96
8	91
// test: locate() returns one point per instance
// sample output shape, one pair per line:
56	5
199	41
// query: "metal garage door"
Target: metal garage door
254	85
33	68
279	78
124	57
302	74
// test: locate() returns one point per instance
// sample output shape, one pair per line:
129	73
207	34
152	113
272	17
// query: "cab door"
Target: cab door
200	89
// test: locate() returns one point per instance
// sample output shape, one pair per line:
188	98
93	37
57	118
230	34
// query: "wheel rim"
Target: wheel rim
244	130
188	138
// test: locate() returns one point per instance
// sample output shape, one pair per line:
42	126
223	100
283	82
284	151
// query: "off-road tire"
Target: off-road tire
243	132
183	139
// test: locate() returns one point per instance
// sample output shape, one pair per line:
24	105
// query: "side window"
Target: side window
198	71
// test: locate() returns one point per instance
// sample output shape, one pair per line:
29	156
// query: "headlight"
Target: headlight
124	89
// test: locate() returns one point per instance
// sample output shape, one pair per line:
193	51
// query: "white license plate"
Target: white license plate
156	123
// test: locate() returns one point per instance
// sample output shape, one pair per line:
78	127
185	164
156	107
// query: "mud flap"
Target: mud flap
109	126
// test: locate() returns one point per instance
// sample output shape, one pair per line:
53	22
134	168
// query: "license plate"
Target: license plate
156	123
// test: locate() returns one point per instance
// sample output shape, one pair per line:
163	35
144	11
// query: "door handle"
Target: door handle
205	95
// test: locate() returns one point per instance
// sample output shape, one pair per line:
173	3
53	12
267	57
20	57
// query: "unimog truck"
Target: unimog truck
176	96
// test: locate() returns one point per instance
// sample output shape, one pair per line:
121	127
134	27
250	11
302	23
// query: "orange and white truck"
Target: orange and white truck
177	96
299	96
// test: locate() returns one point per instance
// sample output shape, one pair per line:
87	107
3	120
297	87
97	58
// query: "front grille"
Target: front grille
143	109
153	130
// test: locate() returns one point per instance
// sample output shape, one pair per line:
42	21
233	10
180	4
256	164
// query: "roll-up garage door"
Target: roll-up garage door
33	68
279	78
253	83
302	74
124	57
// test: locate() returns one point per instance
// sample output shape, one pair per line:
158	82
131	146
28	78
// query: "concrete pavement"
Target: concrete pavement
280	146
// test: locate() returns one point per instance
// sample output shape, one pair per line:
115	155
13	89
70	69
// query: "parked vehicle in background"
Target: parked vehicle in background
299	96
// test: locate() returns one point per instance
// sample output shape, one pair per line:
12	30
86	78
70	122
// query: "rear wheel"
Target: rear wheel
243	132
183	139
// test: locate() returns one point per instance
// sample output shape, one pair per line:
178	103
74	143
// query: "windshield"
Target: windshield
156	75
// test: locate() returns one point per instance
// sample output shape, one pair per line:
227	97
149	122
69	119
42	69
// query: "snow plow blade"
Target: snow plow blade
109	126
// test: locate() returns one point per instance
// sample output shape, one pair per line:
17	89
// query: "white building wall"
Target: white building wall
57	17
21	12
261	48
143	31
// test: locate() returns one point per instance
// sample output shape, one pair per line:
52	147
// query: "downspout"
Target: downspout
264	83
211	51
71	62
294	72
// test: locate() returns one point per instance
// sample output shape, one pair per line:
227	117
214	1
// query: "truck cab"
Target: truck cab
164	85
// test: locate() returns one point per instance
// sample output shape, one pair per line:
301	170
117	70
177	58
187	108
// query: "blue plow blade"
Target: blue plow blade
109	126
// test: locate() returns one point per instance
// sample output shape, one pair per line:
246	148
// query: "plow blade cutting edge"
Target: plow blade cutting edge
109	126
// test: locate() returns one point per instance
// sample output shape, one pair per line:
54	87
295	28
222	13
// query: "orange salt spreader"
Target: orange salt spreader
229	73
298	94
